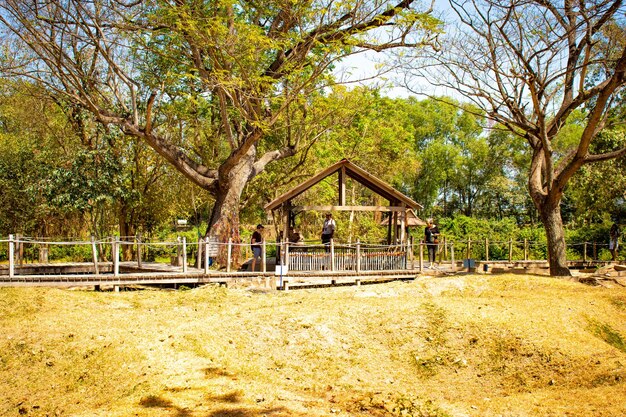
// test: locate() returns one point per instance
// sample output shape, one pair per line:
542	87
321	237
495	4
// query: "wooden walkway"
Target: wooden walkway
82	274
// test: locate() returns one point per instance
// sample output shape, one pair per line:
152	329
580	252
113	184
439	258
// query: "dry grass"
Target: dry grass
459	346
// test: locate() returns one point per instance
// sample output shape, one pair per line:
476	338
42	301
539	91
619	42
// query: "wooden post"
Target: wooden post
389	226
403	223
20	249
263	253
11	256
199	255
139	260
510	250
410	243
469	249
286	258
94	255
486	249
452	257
116	256
286	220
342	186
230	251
358	257
206	255
405	248
439	253
585	252
43	252
595	251
421	256
184	254
332	254
525	249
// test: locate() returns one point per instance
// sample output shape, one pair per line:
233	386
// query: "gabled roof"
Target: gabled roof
411	220
358	174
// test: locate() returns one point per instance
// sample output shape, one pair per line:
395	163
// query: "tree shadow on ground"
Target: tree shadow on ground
242	412
232	397
155	401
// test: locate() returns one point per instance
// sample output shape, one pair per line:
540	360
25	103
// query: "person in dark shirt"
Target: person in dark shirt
255	244
614	240
431	238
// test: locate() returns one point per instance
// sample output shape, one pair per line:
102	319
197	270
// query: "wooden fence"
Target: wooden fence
357	257
334	257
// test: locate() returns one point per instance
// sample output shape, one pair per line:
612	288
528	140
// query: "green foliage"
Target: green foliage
596	190
500	233
462	227
461	170
607	333
93	178
414	407
597	234
70	253
619	302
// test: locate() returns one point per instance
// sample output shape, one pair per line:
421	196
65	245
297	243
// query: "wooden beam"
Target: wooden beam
346	169
378	186
403	224
294	192
286	230
342	186
389	226
350	208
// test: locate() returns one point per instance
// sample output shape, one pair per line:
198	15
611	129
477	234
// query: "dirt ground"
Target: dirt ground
473	345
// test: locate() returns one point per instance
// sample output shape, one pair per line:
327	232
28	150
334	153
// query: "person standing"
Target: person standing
614	240
431	237
255	244
328	230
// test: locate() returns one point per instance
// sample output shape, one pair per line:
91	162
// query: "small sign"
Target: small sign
213	247
281	270
469	263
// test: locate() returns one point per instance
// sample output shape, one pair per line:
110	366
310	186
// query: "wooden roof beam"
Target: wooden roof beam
351	208
342	186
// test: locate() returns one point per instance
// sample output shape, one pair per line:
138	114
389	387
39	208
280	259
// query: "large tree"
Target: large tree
530	64
217	88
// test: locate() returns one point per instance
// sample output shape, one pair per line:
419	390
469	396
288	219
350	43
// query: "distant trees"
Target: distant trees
459	167
219	89
31	128
530	66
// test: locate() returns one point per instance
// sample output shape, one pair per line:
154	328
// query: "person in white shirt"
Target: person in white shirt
328	230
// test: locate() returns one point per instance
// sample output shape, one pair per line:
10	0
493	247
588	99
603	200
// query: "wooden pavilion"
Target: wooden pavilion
398	208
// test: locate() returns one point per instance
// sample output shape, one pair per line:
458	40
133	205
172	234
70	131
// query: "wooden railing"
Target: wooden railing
316	257
357	257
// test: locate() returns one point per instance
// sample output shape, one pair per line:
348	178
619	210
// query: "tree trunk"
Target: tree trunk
127	230
553	224
224	222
